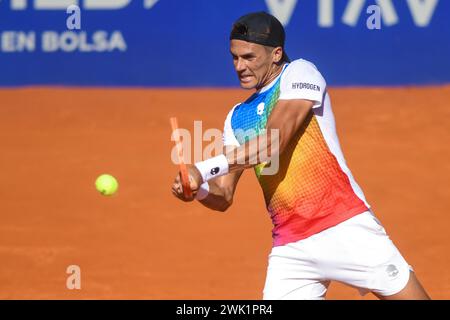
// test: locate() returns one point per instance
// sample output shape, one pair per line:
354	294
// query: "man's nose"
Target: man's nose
240	65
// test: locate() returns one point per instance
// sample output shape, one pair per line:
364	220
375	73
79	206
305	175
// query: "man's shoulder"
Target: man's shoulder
301	65
230	113
302	80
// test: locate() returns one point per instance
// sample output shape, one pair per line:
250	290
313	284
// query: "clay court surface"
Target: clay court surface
143	243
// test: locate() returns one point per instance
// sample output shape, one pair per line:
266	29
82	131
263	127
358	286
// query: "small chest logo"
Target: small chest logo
260	108
214	171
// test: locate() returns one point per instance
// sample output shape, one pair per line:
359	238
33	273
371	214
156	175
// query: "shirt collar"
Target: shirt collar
270	85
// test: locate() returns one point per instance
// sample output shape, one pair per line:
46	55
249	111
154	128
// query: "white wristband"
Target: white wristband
203	191
212	168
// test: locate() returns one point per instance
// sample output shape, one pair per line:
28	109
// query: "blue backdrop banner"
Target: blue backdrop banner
180	43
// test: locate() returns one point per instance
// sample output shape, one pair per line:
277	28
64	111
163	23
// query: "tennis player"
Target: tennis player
324	229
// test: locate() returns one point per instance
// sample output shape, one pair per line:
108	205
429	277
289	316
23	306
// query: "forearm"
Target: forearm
271	143
282	126
258	150
219	199
264	148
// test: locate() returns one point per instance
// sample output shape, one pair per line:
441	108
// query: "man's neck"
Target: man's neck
271	75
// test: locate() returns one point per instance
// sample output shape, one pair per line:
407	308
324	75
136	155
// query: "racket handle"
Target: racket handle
184	175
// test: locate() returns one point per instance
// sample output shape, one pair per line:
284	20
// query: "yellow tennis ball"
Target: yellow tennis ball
106	184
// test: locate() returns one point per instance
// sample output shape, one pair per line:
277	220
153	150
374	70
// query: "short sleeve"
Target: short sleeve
229	139
302	80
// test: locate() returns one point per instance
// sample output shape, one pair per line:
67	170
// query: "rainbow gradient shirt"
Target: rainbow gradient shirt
313	188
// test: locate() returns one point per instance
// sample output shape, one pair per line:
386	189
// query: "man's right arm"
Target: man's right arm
221	189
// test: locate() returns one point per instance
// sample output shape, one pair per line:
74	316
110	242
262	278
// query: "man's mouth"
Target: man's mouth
245	78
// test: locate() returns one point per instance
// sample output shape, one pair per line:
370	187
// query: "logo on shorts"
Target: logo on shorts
215	171
392	271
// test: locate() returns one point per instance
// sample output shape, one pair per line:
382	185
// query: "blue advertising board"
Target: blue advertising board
178	43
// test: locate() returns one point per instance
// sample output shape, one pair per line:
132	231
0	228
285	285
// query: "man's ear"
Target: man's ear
277	54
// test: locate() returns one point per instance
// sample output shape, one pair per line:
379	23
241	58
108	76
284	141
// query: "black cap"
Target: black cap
261	28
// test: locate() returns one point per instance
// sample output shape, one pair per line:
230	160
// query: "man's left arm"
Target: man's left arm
302	88
287	118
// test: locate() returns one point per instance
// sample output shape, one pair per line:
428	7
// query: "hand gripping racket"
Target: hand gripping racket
183	170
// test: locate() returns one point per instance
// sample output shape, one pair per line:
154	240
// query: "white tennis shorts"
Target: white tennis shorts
357	252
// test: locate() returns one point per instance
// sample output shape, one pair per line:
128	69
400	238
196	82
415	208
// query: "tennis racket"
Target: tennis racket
183	169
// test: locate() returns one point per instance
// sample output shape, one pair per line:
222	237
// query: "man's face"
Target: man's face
252	63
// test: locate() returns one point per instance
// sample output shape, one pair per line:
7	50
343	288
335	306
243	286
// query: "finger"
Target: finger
175	187
177	182
193	184
179	195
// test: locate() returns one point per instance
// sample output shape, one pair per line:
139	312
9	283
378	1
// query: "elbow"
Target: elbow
226	202
224	207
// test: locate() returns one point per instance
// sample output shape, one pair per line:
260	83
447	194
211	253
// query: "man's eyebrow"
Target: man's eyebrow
244	56
248	55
